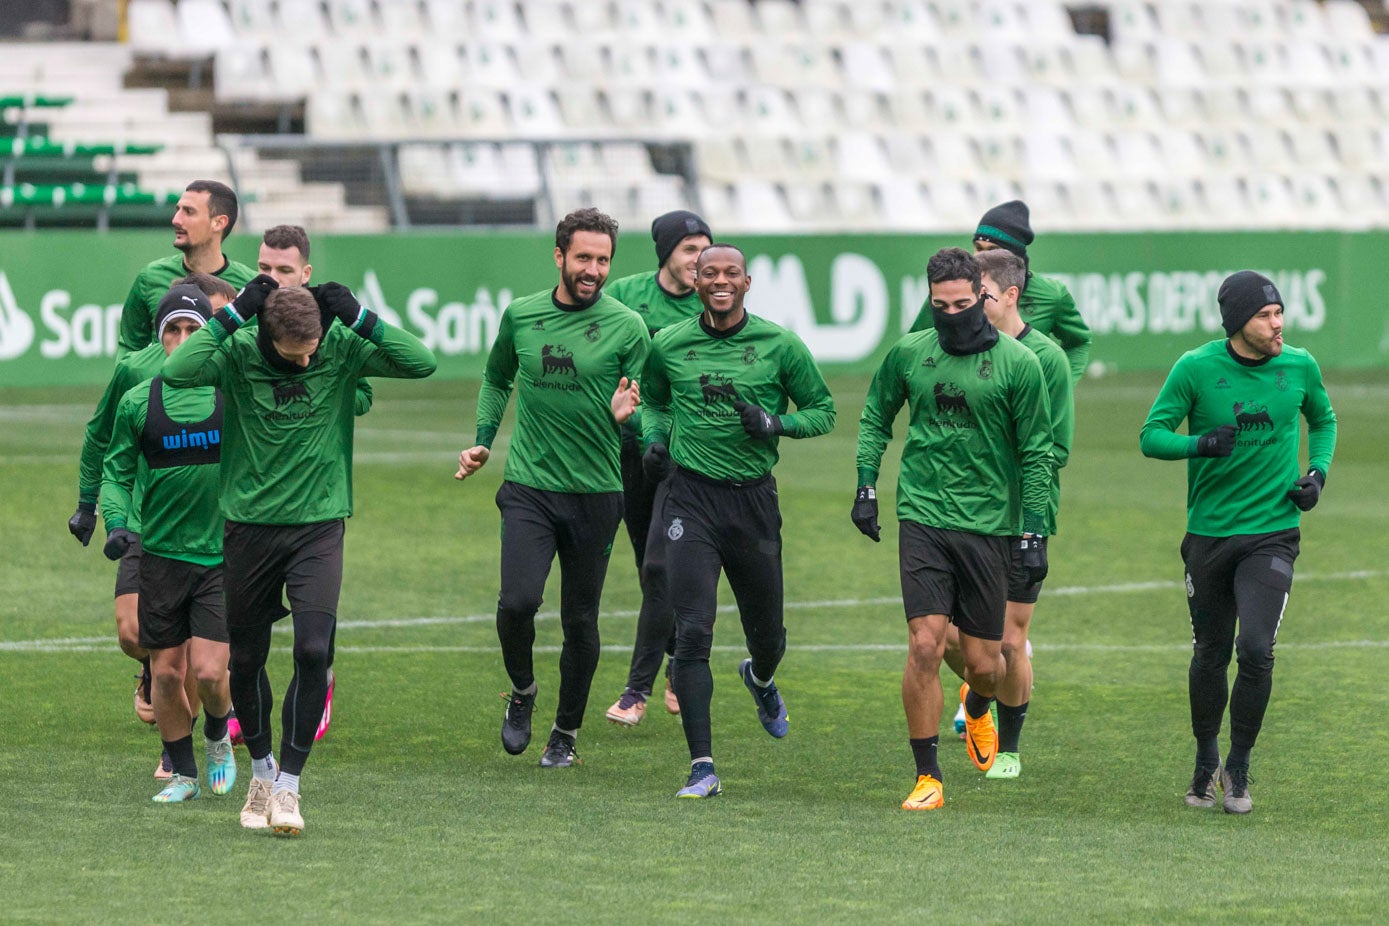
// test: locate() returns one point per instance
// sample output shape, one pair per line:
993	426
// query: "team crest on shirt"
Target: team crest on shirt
691	355
986	369
676	529
539	325
750	355
1222	383
593	333
555	359
1280	382
1190	587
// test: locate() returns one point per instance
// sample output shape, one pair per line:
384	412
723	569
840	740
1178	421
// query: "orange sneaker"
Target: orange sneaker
629	709
929	794
981	741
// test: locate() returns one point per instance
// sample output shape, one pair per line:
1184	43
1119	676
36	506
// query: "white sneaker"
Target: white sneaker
255	815
284	813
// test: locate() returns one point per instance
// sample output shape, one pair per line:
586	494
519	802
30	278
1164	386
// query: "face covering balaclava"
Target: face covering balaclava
964	333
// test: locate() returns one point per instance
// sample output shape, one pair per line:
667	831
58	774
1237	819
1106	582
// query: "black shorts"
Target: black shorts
961	575
128	570
1019	590
179	600
266	561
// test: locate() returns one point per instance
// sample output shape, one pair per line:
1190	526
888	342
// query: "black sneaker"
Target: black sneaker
1235	783
1202	790
559	752
516	722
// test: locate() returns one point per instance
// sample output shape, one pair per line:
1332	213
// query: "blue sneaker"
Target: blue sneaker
221	765
703	782
178	789
771	710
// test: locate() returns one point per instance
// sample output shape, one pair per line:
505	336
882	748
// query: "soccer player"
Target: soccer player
130	371
976	472
718	387
1045	303
1003	276
564	349
1241	397
662	297
170	440
204	217
286	488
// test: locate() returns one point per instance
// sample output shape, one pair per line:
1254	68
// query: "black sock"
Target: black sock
1010	720
146	680
1208	752
214	728
924	752
1238	757
976	706
181	755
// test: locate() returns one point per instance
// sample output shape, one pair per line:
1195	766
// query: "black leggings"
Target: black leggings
535	526
305	564
1242	580
656	622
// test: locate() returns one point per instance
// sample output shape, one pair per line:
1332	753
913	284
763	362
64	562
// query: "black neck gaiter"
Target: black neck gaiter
272	356
964	333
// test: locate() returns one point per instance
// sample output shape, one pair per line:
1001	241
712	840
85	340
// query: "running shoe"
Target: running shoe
1007	765
672	702
164	770
629	709
771	709
929	794
221	765
284	813
960	721
1202	790
178	790
516	722
703	782
234	731
559	752
981	739
1235	783
327	717
255	814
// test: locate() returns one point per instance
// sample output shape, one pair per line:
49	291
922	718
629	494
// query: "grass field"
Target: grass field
414	813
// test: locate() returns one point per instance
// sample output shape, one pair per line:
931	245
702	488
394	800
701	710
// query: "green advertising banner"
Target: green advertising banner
1146	297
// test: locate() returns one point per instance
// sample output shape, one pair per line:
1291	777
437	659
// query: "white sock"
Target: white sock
526	691
264	769
286	782
572	734
757	681
694	762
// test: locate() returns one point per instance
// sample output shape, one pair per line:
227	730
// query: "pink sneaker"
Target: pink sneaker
327	709
234	731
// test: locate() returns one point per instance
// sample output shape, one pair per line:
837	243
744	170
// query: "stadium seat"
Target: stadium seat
953	106
865	67
1046	157
538	62
862	110
252	18
999	153
998	109
906	154
403	22
860	156
794	65
640	21
957	63
954	156
497	20
911	69
676	113
767	111
352	19
446	19
1131	21
1347	21
809	204
241	72
854	205
581	110
727	63
911	111
904	205
481	114
534	113
149	25
911	20
811	158
660	194
490	65
718	159
766	157
629	108
629	65
549	20
203	27
1094	154
1304	19
430	113
295	69
1178	64
388	65
1271	201
733	18
716	202
678	65
1181	154
779	18
955	205
302	19
759	206
689	20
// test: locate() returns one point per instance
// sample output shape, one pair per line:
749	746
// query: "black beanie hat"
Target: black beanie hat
182	301
1241	297
674	227
1007	226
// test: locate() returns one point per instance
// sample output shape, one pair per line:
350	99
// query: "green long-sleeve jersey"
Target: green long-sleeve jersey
1061	406
1246	492
136	330
1046	305
565	363
643	294
287	440
978	453
178	508
131	370
694	376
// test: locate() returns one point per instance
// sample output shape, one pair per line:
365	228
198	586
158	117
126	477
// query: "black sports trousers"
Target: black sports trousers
262	563
656	622
1242	580
537	525
708	526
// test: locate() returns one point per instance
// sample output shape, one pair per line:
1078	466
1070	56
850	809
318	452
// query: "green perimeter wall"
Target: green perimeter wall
1147	297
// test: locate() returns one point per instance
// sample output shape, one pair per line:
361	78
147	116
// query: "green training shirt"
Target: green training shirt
1246	492
1048	306
287	438
151	284
565	363
979	437
643	294
179	507
694	376
1061	406
131	370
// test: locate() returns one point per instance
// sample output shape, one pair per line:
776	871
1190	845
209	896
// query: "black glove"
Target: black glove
117	542
1306	492
247	304
1034	558
757	421
655	463
865	513
1217	443
337	301
81	524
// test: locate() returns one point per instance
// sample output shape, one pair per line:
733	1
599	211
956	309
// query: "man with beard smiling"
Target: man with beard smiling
565	349
717	391
1241	398
976	471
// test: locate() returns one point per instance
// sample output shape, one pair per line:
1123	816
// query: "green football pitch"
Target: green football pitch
414	813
